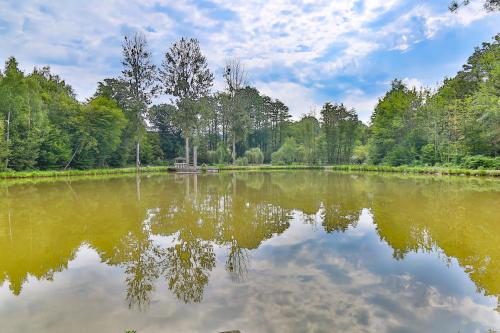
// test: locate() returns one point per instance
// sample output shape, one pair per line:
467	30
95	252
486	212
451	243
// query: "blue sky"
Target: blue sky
303	52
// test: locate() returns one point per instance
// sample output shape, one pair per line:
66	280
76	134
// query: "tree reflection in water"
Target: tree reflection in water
187	268
237	263
42	226
141	259
200	216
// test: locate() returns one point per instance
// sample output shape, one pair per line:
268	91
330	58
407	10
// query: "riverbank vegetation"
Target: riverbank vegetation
44	126
78	172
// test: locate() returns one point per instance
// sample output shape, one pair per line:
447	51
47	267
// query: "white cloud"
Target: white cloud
280	42
362	102
413	83
298	98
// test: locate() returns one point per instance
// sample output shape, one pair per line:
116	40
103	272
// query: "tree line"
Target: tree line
44	126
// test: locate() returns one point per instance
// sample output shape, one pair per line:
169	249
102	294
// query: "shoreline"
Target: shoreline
436	171
75	173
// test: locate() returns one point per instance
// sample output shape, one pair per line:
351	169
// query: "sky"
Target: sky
305	53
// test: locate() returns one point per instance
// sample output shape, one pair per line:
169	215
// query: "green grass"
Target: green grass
269	167
417	170
72	173
372	168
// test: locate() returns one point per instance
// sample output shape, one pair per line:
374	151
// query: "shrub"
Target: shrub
241	161
428	154
223	153
400	155
254	156
481	162
289	153
360	154
219	156
212	157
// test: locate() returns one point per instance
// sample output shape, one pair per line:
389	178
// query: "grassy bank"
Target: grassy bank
418	170
72	173
268	167
372	168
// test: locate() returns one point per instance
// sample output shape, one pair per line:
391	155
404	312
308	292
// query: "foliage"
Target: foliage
393	138
428	154
101	122
221	155
43	126
161	118
462	118
481	162
254	156
360	154
241	161
185	75
340	125
3	147
289	153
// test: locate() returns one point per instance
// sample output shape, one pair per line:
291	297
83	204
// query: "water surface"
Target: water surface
301	251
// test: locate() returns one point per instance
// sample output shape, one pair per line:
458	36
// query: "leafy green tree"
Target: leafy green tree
288	153
118	90
152	152
104	124
254	108
162	121
340	127
186	76
309	130
3	147
462	118
278	114
20	106
393	126
59	139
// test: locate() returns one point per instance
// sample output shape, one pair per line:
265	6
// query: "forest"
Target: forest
45	127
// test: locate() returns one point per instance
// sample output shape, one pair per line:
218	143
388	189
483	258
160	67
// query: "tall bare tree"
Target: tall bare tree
140	74
235	78
185	75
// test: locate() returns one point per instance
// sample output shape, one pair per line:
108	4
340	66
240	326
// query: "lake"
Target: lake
283	251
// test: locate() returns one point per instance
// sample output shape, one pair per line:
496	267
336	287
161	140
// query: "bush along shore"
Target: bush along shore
72	173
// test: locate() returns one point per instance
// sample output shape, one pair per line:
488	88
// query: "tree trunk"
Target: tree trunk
137	154
73	156
195	156
186	148
234	149
8	141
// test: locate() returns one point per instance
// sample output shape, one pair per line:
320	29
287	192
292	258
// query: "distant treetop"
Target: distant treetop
489	5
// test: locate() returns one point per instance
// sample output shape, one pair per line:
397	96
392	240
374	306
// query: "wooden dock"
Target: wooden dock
181	167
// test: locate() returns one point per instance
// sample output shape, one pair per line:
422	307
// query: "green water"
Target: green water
300	251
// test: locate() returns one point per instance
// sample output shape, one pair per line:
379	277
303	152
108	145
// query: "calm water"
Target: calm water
260	252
